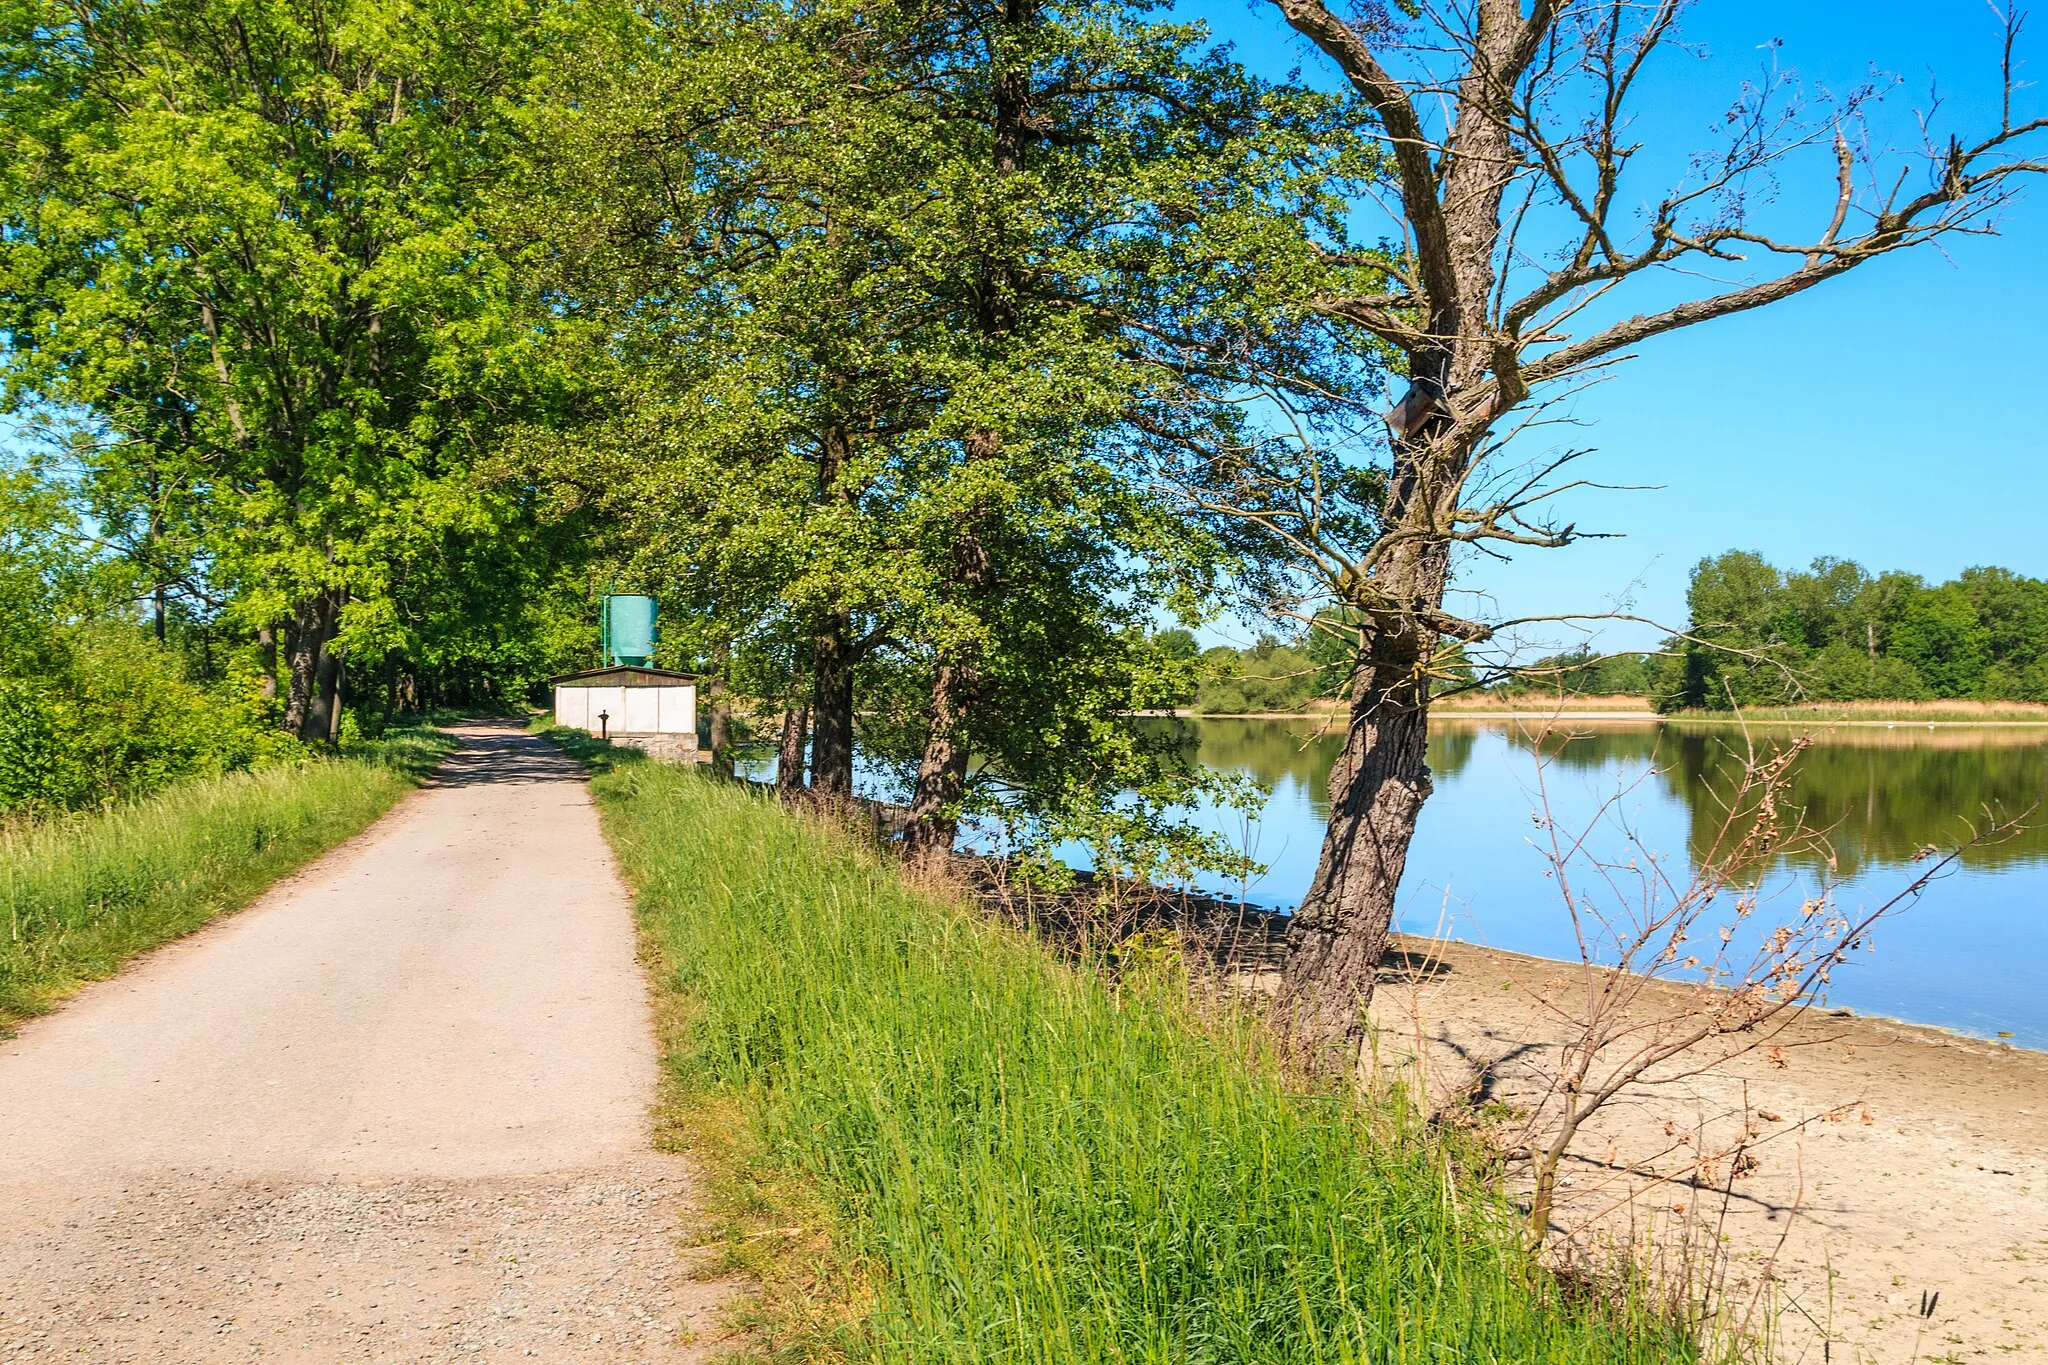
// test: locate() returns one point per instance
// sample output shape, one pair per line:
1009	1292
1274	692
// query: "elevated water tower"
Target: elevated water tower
628	630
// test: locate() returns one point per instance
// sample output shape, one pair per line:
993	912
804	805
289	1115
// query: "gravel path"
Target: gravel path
395	1111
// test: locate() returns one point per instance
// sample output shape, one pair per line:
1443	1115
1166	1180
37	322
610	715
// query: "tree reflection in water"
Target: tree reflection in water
1880	795
1971	956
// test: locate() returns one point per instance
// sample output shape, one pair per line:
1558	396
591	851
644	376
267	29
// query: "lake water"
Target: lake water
1971	954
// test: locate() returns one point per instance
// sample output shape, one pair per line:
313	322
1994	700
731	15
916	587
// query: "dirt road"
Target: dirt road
396	1111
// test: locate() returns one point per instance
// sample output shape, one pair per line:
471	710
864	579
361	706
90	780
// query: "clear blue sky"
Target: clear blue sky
1895	416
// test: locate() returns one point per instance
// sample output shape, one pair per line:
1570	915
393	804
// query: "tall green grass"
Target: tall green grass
1042	1166
82	894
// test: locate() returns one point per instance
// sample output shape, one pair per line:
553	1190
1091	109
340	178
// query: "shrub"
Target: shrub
111	717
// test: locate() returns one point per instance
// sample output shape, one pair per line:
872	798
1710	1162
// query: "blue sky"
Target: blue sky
1895	416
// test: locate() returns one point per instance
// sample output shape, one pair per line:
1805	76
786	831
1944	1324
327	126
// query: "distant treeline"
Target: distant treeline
1271	675
1756	635
1835	632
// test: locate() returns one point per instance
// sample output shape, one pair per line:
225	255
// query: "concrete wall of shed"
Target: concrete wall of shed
668	714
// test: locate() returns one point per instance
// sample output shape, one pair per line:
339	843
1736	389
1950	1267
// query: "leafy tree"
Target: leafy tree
243	239
855	290
1762	637
1940	637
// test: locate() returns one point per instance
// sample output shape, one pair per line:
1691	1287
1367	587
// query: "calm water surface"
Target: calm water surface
1971	955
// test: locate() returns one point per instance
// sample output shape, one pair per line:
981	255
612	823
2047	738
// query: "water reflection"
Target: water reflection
1880	795
1971	955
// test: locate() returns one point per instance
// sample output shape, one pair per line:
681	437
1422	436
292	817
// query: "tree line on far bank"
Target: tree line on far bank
1756	635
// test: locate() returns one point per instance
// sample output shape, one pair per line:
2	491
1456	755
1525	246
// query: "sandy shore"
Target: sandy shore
1892	1162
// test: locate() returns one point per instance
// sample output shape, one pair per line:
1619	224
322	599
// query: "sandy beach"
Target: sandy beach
1891	1163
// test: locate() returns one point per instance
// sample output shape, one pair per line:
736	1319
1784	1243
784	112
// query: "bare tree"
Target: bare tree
1742	973
1500	127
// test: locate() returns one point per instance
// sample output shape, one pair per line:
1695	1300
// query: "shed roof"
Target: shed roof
623	675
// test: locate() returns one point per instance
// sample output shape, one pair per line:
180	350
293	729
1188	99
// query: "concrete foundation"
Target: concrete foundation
665	748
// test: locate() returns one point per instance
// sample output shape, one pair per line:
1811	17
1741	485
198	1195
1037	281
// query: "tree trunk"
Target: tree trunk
266	650
789	752
941	775
721	728
832	708
1377	787
311	666
334	698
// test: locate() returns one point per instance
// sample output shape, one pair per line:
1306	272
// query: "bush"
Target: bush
1268	677
111	718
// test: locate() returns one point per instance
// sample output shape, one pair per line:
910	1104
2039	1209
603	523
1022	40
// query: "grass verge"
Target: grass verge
1004	1159
83	894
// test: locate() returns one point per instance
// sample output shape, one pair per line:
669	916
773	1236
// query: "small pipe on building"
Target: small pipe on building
604	725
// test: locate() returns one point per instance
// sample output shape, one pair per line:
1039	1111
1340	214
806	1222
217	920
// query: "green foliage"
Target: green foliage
112	719
865	381
92	709
1582	673
1270	676
1766	637
1039	1165
241	278
83	894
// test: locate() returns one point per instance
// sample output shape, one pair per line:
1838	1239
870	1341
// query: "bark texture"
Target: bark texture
721	728
832	707
312	667
941	775
266	650
1377	789
789	750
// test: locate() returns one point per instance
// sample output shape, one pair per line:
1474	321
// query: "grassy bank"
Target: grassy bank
81	895
1020	1162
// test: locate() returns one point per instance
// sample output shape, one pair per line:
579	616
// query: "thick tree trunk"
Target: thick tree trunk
1377	788
311	667
789	751
832	708
941	774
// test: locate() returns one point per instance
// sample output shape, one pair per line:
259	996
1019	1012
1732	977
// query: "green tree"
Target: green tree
243	237
1938	634
856	287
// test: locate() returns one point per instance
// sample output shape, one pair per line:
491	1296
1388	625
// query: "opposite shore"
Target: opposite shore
1529	707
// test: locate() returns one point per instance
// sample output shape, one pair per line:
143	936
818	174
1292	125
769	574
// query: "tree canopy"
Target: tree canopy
1763	636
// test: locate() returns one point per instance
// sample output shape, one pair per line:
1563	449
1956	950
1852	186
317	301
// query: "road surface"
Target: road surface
398	1110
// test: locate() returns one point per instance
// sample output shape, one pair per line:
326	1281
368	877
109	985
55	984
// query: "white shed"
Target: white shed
645	708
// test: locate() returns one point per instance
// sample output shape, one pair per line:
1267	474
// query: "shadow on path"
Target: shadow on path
494	753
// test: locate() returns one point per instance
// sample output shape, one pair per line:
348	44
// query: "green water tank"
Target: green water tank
629	633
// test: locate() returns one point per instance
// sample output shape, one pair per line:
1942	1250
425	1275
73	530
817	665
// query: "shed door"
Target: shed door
642	710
